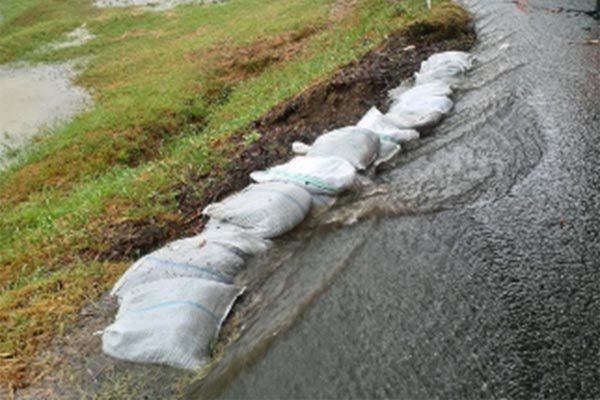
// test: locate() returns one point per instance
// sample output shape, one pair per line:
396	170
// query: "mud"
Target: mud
34	100
76	362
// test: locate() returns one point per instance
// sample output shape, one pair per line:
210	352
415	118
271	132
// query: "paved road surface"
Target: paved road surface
487	284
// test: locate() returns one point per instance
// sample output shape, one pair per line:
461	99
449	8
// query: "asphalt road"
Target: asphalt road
484	281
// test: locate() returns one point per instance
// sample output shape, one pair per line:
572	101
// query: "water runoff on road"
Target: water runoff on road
471	269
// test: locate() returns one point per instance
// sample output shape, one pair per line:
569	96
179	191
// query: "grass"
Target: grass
169	88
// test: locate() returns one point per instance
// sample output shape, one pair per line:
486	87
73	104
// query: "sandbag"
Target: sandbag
448	67
416	95
387	151
374	121
416	110
318	175
451	75
435	88
300	148
171	321
419	120
358	146
409	102
191	257
359	150
454	59
266	210
240	241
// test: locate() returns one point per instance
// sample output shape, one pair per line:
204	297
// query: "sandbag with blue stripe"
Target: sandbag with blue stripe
191	257
318	175
170	321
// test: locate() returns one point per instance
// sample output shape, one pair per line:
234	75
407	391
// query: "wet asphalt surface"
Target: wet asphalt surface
487	283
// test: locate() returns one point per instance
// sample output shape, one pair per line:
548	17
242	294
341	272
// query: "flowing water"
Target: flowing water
471	268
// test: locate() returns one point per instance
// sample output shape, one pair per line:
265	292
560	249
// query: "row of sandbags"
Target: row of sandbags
174	300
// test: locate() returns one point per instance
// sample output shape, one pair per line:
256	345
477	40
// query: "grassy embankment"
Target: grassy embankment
170	88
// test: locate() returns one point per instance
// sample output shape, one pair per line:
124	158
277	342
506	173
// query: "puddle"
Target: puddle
76	37
33	99
156	5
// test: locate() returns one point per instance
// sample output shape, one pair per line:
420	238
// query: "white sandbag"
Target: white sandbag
240	241
191	257
458	59
451	75
375	122
318	175
418	93
419	120
266	210
358	146
420	107
300	148
448	67
409	102
387	151
171	321
435	88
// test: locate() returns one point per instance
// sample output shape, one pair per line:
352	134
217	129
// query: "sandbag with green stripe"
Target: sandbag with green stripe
318	175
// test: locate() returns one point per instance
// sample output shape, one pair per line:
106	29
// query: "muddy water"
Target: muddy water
156	5
32	99
77	37
473	269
